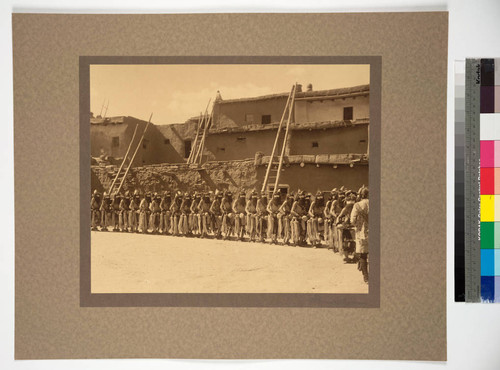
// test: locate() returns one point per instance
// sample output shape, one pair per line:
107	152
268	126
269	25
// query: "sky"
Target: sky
174	93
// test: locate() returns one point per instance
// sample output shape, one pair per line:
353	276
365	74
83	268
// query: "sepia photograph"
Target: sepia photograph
229	178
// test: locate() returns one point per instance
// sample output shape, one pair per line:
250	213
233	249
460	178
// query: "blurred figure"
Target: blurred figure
106	215
359	219
95	210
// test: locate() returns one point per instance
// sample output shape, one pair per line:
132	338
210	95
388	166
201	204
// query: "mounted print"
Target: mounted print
230	186
242	180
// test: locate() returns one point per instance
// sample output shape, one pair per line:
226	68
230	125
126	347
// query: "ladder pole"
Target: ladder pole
205	133
124	159
202	143
135	153
269	165
194	149
102	107
190	157
199	152
106	111
284	140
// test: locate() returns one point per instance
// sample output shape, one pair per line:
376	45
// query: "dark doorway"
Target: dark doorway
187	148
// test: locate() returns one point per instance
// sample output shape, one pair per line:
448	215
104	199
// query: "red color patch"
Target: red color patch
487	181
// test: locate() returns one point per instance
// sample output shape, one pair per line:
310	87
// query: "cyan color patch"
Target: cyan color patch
487	262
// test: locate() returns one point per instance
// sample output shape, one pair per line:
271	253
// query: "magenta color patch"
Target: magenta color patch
487	153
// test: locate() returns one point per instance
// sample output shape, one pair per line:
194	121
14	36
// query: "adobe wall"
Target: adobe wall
330	141
331	110
153	150
101	139
176	134
311	178
233	175
233	114
253	141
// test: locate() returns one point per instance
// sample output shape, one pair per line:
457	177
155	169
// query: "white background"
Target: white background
474	31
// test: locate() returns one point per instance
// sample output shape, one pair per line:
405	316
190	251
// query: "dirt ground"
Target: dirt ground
136	263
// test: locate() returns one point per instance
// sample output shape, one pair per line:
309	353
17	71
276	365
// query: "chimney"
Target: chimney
309	87
299	88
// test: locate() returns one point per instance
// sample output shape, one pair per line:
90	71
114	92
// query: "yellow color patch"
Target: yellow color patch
487	208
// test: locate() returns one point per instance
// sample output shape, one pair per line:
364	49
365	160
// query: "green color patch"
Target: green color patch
488	235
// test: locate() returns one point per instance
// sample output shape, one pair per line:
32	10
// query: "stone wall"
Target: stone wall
233	175
214	175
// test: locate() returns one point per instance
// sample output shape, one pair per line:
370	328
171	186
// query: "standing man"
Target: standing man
175	210
165	213
316	212
299	214
124	209
251	211
262	217
204	214
226	208
335	209
185	212
95	206
284	219
133	219
239	206
359	219
215	211
273	208
115	210
194	217
105	212
154	207
345	227
143	214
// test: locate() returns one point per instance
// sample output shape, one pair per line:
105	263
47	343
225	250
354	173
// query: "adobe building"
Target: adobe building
327	145
111	137
323	122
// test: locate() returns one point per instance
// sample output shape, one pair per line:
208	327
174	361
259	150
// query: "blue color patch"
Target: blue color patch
487	262
488	288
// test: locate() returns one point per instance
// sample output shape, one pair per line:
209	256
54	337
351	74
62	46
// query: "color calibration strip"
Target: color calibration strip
490	182
477	180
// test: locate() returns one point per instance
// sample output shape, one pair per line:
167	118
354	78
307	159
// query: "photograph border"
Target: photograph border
370	300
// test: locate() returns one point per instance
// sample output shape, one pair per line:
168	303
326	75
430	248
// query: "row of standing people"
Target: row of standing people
340	223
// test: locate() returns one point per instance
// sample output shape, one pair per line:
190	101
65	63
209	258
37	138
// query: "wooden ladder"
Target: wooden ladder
201	133
275	164
122	173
